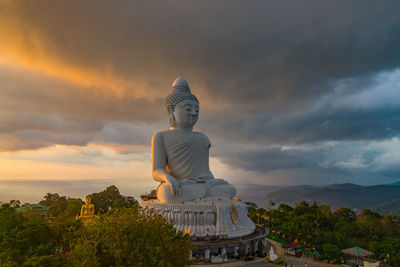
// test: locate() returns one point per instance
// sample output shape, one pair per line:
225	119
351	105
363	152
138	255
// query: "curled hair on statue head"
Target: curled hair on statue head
181	91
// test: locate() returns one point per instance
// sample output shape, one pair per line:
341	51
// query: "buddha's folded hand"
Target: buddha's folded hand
174	184
203	178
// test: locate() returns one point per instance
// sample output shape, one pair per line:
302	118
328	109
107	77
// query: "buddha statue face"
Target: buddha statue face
88	199
182	106
186	114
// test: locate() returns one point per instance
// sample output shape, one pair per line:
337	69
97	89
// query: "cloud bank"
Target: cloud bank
306	91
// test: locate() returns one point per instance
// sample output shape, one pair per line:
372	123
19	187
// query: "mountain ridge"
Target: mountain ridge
383	198
349	195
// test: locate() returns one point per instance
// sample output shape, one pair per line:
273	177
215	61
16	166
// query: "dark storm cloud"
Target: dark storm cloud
377	159
263	55
25	94
268	74
318	126
38	112
366	108
273	158
343	133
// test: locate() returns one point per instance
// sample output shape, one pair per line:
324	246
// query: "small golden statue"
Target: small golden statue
87	212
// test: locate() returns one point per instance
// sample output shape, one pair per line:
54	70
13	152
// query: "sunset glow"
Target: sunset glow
288	95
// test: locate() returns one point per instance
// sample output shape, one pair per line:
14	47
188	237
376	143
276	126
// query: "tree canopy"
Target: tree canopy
124	235
111	198
128	236
318	227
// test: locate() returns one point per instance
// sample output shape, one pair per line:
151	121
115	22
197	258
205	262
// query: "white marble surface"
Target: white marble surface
188	194
181	156
206	217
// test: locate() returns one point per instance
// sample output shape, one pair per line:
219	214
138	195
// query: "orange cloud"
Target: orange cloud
74	43
33	57
27	46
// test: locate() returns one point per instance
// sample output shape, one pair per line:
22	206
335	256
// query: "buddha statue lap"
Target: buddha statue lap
181	155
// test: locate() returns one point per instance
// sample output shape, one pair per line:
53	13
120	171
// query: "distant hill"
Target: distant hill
349	195
256	193
396	183
392	208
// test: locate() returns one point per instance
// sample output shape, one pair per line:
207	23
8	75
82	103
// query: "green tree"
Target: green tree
284	208
44	261
15	203
332	252
64	223
130	237
9	219
57	207
84	254
327	231
23	241
49	199
343	213
111	198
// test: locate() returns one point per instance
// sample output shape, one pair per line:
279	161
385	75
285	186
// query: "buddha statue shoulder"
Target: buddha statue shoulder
181	155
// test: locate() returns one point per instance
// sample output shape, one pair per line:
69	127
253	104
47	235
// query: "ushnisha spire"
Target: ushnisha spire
181	85
180	91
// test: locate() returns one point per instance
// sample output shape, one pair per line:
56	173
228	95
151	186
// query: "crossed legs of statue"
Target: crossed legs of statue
190	190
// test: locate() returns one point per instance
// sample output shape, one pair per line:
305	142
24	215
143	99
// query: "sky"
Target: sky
291	92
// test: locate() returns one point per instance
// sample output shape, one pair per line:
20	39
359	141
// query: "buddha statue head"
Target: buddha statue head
182	105
88	200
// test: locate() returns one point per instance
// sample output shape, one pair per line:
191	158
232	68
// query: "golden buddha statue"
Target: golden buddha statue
87	212
87	208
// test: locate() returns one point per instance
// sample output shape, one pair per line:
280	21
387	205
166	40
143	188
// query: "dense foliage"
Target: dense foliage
318	227
124	235
111	198
24	242
128	236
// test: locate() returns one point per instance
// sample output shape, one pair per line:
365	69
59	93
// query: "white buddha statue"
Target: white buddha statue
181	155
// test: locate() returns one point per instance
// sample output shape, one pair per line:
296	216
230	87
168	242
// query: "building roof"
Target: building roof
293	245
35	207
357	252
